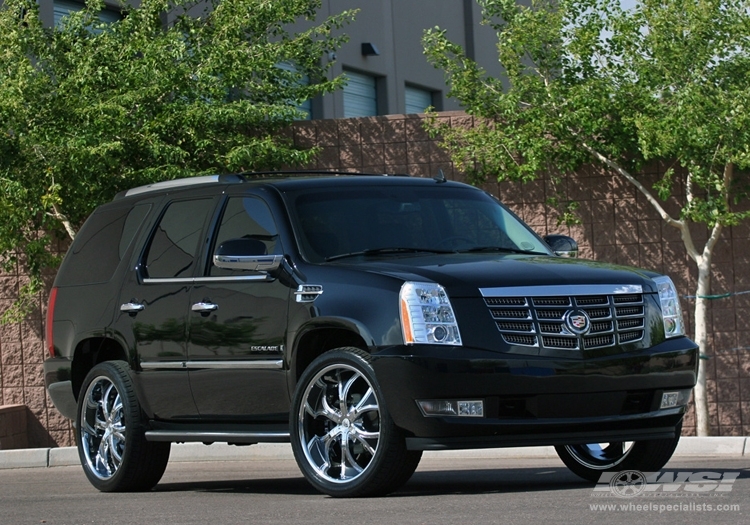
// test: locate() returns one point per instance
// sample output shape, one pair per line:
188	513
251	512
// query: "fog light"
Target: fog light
674	399
471	408
449	407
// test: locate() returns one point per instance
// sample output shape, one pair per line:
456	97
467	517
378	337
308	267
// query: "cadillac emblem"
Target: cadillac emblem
577	322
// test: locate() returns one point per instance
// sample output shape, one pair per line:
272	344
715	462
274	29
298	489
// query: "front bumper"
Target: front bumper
57	379
535	400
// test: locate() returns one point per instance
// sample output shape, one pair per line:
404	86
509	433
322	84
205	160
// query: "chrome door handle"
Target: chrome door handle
204	307
132	307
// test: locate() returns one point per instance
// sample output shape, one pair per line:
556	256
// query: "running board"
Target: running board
220	437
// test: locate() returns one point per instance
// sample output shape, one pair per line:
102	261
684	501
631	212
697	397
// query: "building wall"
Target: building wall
618	227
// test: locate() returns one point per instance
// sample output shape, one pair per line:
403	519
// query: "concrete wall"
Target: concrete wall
618	226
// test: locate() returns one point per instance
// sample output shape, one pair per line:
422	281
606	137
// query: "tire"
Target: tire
343	438
591	460
111	438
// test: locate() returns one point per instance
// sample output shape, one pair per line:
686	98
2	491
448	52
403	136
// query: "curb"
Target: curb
689	446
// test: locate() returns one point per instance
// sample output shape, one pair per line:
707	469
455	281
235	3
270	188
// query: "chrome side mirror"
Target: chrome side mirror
245	254
562	245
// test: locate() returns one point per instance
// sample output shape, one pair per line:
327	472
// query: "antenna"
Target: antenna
440	177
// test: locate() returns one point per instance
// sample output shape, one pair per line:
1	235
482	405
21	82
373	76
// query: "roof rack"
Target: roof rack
180	183
307	173
240	177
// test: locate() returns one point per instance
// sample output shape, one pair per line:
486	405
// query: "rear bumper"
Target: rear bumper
59	386
535	401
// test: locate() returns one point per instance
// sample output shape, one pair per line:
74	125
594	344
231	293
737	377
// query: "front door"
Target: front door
237	327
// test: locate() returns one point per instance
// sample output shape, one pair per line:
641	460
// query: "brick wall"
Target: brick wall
618	227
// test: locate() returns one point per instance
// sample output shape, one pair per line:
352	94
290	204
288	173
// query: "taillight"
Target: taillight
50	320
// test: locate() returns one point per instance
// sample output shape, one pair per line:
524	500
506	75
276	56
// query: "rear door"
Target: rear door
154	306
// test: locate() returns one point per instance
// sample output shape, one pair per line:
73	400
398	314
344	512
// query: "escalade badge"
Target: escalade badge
577	322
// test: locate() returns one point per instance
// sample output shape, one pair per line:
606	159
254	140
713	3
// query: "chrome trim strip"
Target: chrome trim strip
222	437
204	280
163	365
273	364
264	364
561	290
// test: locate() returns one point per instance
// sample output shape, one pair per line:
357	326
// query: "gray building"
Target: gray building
383	60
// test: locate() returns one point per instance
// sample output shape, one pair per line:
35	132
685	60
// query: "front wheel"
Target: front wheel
111	433
590	460
343	438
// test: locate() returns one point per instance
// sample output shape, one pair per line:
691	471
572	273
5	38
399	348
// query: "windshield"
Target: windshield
377	220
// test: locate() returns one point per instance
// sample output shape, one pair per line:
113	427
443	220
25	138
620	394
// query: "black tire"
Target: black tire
592	460
111	433
343	438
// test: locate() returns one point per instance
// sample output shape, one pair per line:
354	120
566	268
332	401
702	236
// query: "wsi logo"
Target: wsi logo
632	483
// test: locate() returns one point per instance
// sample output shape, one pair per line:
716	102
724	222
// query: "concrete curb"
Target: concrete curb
712	447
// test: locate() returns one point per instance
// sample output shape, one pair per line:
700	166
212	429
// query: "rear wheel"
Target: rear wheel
111	433
589	461
343	438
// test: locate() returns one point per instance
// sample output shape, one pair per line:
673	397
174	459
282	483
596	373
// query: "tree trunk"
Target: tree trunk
700	394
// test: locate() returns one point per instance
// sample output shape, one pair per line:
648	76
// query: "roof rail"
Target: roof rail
307	173
180	183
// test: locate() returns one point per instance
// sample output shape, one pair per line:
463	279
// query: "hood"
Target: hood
463	274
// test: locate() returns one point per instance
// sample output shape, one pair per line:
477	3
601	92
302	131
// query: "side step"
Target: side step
177	436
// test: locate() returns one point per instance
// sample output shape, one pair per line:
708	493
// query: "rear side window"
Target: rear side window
172	251
101	244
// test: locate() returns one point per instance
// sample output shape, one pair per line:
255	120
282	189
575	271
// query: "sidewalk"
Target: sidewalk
713	447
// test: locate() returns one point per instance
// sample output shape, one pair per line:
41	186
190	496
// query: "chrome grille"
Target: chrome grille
539	321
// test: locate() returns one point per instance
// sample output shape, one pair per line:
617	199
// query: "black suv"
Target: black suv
364	319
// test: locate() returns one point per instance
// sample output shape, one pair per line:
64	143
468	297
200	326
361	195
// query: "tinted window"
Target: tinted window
334	222
247	217
173	249
101	244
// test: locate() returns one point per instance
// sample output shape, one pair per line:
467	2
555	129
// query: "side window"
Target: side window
173	248
247	217
101	244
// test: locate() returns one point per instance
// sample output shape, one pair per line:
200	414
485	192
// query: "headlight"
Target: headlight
671	311
427	315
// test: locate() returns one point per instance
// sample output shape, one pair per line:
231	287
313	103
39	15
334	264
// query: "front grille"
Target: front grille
540	321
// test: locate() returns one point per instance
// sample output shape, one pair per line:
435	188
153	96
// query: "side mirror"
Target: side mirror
562	245
245	254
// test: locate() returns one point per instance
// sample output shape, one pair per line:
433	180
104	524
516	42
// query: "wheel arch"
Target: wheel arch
89	353
321	335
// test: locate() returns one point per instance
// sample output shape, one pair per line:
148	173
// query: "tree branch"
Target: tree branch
57	214
681	225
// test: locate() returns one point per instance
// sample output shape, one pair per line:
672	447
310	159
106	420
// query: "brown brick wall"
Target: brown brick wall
618	227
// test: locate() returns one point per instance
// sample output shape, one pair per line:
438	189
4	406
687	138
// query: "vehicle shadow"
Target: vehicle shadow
422	483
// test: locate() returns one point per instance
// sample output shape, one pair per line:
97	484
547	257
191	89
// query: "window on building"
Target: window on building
417	100
305	106
360	95
63	7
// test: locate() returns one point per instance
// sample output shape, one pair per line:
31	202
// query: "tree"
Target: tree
588	81
88	109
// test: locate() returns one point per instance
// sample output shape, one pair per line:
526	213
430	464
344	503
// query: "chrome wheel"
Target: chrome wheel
600	456
111	436
339	423
103	428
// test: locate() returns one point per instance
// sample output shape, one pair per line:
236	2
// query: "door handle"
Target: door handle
132	307
204	307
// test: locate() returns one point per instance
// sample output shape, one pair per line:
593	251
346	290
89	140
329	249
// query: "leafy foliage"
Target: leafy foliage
88	109
587	80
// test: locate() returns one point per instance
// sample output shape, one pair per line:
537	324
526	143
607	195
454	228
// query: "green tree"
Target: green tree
588	81
88	109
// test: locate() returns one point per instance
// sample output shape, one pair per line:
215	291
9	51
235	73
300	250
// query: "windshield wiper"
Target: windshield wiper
478	249
382	251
